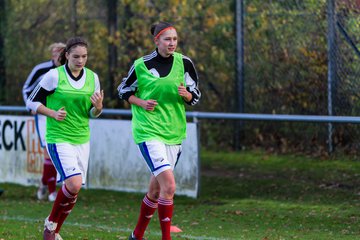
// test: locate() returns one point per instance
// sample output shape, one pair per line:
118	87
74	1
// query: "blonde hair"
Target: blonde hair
59	45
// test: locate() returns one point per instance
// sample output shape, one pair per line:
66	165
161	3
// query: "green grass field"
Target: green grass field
246	195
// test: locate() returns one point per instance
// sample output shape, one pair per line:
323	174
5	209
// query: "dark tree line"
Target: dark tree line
285	47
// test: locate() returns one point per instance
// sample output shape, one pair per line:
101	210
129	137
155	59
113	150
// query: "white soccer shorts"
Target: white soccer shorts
159	156
69	159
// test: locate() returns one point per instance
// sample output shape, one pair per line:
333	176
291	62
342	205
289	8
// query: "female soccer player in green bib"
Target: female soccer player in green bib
157	87
68	95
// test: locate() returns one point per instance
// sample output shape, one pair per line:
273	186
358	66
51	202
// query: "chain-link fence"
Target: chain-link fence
346	83
301	57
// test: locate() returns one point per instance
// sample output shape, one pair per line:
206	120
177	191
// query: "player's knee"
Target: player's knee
73	185
73	188
154	191
154	195
169	189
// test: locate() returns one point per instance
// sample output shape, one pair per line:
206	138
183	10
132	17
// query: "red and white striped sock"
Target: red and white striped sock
148	207
65	212
63	200
165	210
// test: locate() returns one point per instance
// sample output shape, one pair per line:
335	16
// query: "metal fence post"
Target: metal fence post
239	94
112	22
2	51
74	17
331	41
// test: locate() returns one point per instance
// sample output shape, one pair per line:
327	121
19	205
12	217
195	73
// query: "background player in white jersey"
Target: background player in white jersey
73	95
48	179
157	87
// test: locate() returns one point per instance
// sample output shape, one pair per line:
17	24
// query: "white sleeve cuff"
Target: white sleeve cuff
92	115
33	105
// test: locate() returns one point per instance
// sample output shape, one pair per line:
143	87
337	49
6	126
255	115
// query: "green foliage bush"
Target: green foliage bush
286	57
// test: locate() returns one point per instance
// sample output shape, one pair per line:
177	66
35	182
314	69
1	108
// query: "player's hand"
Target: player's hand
149	105
97	100
184	93
60	114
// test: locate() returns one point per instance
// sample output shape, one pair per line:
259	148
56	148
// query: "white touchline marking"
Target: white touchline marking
109	229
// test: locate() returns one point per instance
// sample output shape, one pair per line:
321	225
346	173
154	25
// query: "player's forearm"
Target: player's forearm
135	100
45	111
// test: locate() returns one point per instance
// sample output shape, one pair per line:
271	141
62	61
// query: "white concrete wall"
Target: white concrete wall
115	162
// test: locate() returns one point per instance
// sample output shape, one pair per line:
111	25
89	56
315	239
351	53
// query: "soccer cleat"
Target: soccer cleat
132	237
42	191
49	230
58	237
52	196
